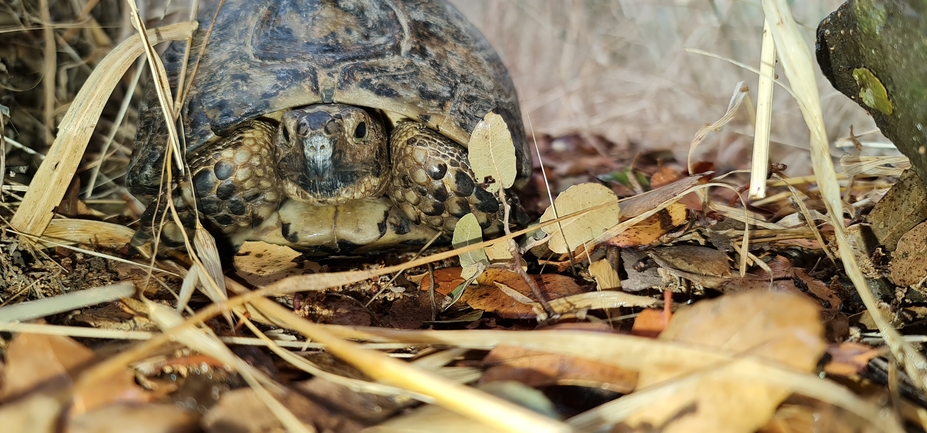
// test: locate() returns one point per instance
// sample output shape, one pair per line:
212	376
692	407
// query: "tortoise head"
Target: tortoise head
329	154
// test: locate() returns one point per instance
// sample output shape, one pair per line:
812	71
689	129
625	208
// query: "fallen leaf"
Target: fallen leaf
573	232
909	262
426	418
665	176
149	418
651	229
468	232
605	277
777	326
487	295
491	153
849	359
648	201
902	208
37	413
649	323
260	263
539	369
38	363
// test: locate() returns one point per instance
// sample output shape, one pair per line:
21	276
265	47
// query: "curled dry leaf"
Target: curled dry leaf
77	231
693	259
651	229
491	153
575	231
704	266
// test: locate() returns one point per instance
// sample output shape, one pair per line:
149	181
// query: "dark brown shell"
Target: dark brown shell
419	59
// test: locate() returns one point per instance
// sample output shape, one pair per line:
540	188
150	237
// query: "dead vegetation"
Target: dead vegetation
783	290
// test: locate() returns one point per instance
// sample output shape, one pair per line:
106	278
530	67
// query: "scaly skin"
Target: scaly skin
314	183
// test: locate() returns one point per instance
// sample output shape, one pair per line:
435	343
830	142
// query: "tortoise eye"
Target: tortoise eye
361	130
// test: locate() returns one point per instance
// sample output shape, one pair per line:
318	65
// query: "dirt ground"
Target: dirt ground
662	297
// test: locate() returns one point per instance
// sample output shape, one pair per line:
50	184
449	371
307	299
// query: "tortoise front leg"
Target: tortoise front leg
433	184
233	187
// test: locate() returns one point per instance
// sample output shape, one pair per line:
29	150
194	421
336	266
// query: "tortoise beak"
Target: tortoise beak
318	156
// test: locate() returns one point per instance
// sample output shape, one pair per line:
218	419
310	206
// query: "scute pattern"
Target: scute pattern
392	57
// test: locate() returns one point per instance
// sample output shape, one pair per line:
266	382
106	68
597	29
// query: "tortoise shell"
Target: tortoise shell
411	59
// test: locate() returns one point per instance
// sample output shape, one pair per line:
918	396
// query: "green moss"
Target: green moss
872	92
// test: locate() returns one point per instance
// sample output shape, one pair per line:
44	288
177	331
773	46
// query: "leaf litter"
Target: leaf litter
763	309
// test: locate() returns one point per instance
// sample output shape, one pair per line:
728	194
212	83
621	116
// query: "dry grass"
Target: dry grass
619	68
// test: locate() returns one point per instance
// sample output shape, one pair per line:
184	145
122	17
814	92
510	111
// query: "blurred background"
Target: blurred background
620	69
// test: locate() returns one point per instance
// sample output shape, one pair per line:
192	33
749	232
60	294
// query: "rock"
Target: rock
875	52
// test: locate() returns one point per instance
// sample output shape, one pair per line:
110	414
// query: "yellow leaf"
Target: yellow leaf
491	153
468	232
575	231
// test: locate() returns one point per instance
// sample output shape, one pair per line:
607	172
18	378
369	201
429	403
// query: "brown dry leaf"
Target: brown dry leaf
486	295
425	418
37	413
830	301
778	326
573	232
909	263
649	230
446	280
865	321
848	359
149	418
802	414
260	263
649	323
704	266
242	409
44	362
646	202
539	369
77	231
902	208
665	176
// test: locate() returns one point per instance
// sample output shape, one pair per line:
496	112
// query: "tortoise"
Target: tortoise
334	127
